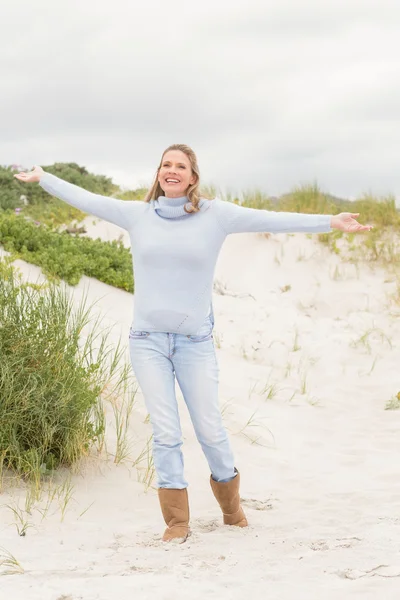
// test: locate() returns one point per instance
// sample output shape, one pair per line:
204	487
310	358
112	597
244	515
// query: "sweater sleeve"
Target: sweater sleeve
119	212
240	219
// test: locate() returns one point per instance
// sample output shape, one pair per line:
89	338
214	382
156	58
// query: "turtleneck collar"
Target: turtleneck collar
173	208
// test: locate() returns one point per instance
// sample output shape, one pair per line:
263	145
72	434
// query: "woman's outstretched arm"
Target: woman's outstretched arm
240	219
119	212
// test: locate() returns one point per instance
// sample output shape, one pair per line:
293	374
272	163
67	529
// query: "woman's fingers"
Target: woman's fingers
350	223
25	176
364	227
354	222
35	171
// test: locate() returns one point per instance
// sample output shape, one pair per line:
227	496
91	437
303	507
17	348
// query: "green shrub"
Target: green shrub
54	213
72	172
61	255
42	206
50	385
137	194
10	191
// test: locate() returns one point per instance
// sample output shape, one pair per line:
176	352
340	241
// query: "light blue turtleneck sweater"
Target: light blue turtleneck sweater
175	253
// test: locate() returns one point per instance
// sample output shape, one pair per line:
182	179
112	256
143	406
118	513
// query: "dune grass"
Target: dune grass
310	198
51	377
9	565
379	246
393	403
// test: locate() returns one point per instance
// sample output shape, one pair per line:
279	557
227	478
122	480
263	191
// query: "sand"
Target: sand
303	393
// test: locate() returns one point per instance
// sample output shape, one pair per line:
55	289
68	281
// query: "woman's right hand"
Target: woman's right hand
31	176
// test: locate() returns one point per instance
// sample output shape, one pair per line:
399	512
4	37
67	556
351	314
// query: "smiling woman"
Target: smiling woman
176	237
177	176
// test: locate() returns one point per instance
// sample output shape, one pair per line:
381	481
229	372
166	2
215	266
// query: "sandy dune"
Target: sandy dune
319	456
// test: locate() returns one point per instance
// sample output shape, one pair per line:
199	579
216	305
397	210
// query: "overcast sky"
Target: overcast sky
269	94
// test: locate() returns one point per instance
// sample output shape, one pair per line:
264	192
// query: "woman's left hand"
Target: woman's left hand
347	222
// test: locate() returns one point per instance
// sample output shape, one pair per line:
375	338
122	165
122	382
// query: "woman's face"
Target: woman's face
175	174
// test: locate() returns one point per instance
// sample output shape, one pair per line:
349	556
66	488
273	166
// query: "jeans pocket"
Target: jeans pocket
204	334
137	335
200	338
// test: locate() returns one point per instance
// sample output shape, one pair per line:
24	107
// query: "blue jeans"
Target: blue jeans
157	358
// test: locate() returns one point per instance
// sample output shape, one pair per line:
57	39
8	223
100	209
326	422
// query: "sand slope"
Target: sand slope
319	457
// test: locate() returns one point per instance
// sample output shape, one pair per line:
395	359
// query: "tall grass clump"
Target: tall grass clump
307	199
381	211
51	379
257	199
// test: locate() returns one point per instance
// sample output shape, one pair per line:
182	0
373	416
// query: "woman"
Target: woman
176	237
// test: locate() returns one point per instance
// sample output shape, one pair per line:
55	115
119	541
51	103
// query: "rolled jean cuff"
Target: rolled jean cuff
227	479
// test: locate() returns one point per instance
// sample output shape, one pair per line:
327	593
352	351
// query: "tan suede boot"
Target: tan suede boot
175	509
227	495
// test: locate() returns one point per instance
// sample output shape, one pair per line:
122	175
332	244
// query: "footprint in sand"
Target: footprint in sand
321	545
256	504
146	542
139	569
206	526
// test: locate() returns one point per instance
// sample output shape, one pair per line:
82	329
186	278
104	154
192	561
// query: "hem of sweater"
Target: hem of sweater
143	328
153	330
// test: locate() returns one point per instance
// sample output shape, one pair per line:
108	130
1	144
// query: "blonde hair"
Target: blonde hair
193	191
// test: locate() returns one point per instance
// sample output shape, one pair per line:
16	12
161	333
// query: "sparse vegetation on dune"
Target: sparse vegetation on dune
52	389
379	211
380	246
